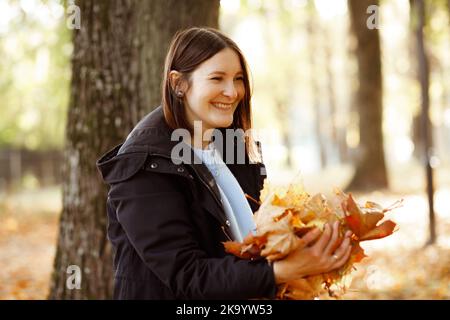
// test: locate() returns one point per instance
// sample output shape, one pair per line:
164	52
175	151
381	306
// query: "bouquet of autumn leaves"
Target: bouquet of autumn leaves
285	215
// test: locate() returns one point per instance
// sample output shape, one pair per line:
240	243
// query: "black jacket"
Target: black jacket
167	224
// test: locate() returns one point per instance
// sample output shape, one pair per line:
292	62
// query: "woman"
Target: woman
169	212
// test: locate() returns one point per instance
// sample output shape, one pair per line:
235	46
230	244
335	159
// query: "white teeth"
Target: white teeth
222	105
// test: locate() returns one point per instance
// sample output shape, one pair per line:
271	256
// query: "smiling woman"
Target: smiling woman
168	219
217	87
207	81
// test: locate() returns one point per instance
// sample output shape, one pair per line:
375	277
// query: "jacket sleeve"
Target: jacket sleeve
156	218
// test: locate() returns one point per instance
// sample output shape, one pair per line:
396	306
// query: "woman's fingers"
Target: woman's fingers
334	237
342	248
340	251
310	236
343	259
324	239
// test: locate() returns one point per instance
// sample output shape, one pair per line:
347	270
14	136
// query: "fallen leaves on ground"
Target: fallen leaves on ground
415	274
27	248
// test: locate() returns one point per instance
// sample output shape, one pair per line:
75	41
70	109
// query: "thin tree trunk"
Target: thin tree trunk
448	7
283	111
416	130
418	10
417	137
116	72
370	166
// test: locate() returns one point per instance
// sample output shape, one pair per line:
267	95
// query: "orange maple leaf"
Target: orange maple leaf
364	224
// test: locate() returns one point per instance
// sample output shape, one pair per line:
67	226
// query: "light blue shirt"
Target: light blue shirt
235	204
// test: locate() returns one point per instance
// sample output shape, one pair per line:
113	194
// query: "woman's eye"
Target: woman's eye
239	78
216	78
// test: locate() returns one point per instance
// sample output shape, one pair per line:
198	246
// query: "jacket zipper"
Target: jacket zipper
226	234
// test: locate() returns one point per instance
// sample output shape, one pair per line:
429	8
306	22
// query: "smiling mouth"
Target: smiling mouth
223	106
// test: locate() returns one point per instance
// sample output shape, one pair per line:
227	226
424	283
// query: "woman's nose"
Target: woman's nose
230	90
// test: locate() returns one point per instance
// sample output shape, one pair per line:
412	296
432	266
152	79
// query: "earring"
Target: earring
180	94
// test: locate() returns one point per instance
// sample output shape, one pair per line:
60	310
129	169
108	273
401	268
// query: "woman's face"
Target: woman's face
216	88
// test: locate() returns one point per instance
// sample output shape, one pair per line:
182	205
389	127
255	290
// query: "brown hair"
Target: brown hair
188	49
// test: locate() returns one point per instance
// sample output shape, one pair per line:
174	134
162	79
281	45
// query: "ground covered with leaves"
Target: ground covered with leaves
28	233
397	267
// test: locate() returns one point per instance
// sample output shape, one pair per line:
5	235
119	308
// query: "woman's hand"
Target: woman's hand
308	260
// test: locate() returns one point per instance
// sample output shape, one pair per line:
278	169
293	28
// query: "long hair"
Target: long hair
188	49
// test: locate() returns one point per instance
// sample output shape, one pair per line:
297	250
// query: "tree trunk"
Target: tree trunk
417	136
283	112
448	6
370	165
418	18
117	67
416	127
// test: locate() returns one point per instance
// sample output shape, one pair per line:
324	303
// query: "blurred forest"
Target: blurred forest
352	94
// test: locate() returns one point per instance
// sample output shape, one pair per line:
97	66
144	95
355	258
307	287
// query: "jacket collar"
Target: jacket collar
153	134
152	137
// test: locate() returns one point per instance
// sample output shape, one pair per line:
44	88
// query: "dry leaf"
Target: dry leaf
286	214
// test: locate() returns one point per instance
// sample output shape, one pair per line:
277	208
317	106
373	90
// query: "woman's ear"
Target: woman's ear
178	83
174	79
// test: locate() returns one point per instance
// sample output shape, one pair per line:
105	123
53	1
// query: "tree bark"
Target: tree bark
117	67
370	165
